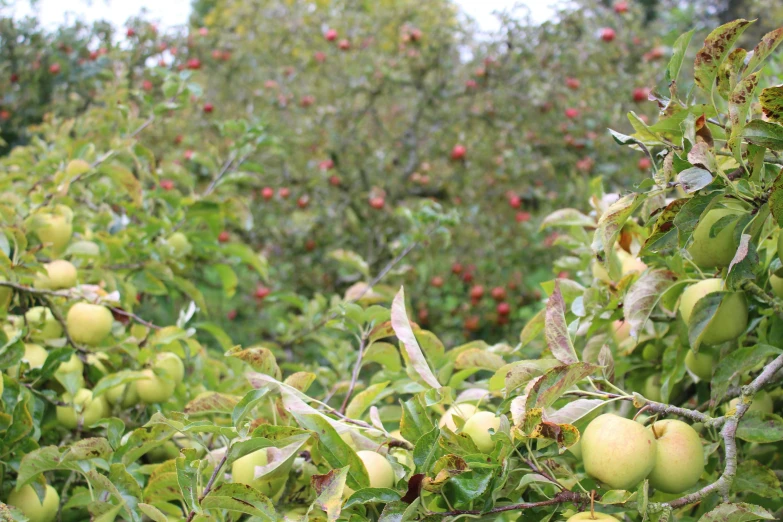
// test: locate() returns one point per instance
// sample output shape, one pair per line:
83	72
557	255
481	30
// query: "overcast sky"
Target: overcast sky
175	12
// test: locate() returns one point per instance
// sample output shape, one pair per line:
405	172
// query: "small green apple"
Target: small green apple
59	274
43	325
179	244
463	410
679	461
618	452
54	229
124	394
89	323
730	319
91	410
243	471
700	364
27	501
478	427
378	468
152	389
596	517
777	284
171	364
762	403
718	251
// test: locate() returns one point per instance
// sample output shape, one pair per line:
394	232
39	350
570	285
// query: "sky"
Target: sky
175	12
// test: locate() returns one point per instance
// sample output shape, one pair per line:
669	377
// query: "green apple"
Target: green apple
730	319
780	245
54	229
43	324
630	263
27	501
166	451
378	469
762	403
718	251
243	471
124	394
72	366
84	249
587	515
59	274
152	389
6	293
478	427
90	410
600	273
679	461
777	284
179	244
651	352
618	452
463	410
35	355
621	331
700	364
171	364
89	323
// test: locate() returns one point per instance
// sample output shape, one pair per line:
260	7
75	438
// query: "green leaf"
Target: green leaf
567	217
533	328
678	54
694	179
246	405
372	496
152	512
41	460
240	498
188	288
364	400
716	47
737	363
402	328
351	260
218	333
754	476
228	278
759	427
188	472
764	134
115	379
124	178
260	358
738	512
739	104
329	488
385	354
246	255
556	329
415	422
89	448
704	313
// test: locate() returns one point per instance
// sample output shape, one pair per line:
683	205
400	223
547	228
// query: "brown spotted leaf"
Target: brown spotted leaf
556	329
551	386
764	134
643	296
240	498
259	358
729	72
478	358
739	103
329	488
771	100
716	47
776	199
212	402
612	221
765	47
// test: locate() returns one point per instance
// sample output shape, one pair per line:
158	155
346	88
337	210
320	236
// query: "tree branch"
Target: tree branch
564	497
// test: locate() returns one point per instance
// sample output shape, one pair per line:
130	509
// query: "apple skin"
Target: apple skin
718	251
92	409
171	364
118	393
43	324
730	319
378	468
679	461
152	389
777	285
243	471
478	426
618	452
462	410
55	230
59	274
586	515
700	364
179	244
27	501
89	323
35	355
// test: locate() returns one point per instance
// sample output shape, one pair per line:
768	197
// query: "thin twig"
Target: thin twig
209	485
564	497
355	374
135	317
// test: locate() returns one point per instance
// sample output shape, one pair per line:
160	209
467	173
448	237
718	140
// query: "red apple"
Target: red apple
471	84
166	184
571	113
231	315
344	45
522	217
54	68
326	164
477	292
424	315
640	94
284	192
208	108
203	31
572	83
131	32
608	34
456	268
194	64
621	7
331	35
467	277
146	85
5	115
267	193
515	201
320	57
471	323
178	139
503	308
458	152
224	236
310	245
377	202
334	180
189	154
644	163
498	293
15	77
303	201
216	54
262	292
436	281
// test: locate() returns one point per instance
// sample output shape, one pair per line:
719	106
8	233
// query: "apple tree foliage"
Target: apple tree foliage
127	397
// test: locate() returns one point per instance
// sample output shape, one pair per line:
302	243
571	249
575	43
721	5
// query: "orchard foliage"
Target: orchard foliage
200	324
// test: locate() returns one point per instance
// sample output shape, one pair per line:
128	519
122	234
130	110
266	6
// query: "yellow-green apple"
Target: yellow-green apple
618	452
89	323
59	274
700	364
478	427
679	461
718	251
171	364
776	283
90	409
84	249
54	229
463	410
243	471
596	517
77	167
27	501
43	324
731	317
124	394
153	389
179	244
762	403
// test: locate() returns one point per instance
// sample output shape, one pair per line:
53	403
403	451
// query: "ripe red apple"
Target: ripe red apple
640	94
503	308
515	201
5	115
644	163
608	34
208	108
344	45
216	54
458	152
424	315
303	201
203	31
377	202
178	139
267	193
498	293
334	180
572	83
467	277
307	101
471	323
456	268
15	77
194	64
284	192
522	217
416	35
131	32
224	236
437	281
571	113
188	154
262	292
656	53
477	292
621	7
54	68
270	84
226	56
471	84
166	184
146	85
326	164
231	315
331	35
320	56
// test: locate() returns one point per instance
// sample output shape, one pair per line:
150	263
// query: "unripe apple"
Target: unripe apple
595	517
718	251
178	244
54	230
27	501
153	389
777	285
35	355
243	471
43	324
700	364
89	323
378	468
125	395
478	427
730	319
171	364
462	410
91	410
618	452
84	249
72	365
59	274
679	461
762	403
630	263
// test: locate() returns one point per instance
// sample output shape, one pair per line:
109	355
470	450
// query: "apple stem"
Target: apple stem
592	504
655	433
